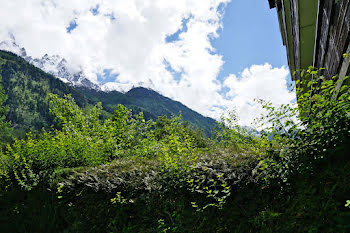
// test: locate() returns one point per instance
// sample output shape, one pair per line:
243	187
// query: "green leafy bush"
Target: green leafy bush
84	140
125	174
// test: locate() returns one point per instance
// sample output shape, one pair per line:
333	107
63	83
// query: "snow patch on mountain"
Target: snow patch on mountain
54	64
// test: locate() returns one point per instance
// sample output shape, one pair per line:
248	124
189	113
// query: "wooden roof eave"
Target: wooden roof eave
284	18
289	37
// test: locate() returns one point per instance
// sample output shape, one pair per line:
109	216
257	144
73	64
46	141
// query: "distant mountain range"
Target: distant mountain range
28	81
55	65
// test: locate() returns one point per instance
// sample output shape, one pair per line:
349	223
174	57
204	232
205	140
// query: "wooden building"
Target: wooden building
315	33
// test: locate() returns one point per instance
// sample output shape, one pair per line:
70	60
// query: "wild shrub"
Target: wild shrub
313	130
82	139
125	174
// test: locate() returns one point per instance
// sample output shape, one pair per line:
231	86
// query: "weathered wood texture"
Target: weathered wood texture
323	29
333	35
295	32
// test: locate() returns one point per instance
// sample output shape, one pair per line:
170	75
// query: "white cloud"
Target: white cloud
129	37
257	82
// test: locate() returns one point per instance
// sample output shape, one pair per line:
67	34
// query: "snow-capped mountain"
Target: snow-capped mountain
55	65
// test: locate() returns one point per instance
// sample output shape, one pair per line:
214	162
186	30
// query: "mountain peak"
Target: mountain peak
52	64
12	46
142	91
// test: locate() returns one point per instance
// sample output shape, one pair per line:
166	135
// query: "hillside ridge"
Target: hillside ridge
27	87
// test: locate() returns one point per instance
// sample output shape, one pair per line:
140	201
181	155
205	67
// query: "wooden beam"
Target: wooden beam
343	71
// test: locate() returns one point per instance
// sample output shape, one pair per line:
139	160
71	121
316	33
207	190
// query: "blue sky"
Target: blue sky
250	36
188	50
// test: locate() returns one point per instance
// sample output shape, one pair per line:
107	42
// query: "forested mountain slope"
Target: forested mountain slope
151	103
27	88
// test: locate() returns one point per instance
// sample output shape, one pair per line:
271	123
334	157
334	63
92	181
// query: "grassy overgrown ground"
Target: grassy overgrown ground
126	174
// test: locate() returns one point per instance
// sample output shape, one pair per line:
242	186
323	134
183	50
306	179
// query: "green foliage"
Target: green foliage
151	104
230	136
313	131
128	174
27	89
347	204
84	140
79	143
5	130
324	115
5	137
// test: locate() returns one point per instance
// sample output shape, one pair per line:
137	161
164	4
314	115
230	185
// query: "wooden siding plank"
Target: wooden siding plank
332	56
325	13
295	32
